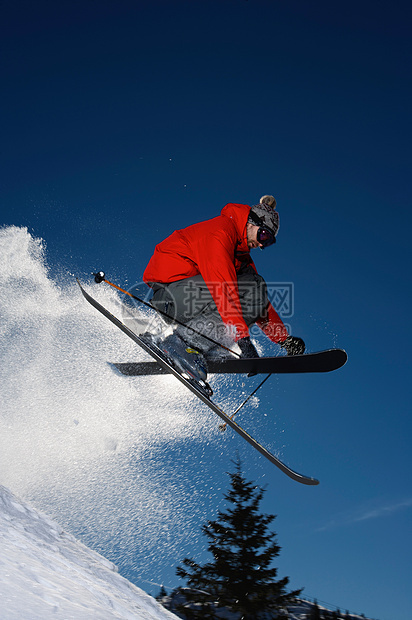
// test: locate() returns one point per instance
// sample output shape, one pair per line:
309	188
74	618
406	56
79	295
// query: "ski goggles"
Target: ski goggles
265	237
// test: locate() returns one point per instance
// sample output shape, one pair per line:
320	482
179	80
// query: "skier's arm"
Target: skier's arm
272	325
216	265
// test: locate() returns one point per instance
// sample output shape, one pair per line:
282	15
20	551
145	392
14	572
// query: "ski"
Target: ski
322	361
199	393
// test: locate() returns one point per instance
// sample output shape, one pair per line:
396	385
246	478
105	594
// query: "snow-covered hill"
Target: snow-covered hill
46	573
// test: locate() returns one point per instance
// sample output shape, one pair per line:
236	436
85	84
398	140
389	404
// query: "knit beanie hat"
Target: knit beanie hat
266	211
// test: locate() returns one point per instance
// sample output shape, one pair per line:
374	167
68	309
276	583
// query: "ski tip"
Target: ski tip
310	481
307	480
333	358
341	357
81	288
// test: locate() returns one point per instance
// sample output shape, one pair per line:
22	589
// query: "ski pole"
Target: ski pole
222	427
101	277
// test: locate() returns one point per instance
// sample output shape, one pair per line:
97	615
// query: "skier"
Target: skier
204	277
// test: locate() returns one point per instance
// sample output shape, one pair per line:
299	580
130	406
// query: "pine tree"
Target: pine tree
315	612
240	577
161	594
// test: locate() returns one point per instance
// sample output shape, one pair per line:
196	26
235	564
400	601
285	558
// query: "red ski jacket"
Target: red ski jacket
216	249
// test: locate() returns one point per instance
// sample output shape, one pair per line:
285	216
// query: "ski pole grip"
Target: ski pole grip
99	277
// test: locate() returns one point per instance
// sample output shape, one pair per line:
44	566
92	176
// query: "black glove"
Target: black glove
293	345
247	347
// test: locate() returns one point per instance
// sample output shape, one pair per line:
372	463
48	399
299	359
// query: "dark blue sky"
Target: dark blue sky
122	121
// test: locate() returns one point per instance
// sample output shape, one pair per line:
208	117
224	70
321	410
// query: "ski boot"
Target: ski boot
186	360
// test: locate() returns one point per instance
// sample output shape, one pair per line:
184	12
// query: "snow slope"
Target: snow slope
46	573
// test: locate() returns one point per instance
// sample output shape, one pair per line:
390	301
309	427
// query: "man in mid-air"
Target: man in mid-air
204	277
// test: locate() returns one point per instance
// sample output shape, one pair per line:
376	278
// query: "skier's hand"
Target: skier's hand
247	347
293	345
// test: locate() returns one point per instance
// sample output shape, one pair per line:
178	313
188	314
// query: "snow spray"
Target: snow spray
120	462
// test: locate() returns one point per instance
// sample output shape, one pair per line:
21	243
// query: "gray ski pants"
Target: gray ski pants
190	302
